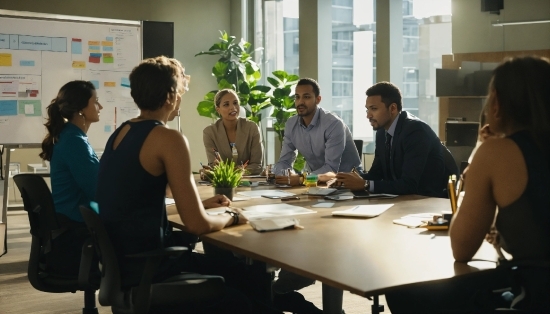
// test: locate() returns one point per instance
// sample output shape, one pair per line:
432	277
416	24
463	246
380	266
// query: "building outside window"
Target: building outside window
426	37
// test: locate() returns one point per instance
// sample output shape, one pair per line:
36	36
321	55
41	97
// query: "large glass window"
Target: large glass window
353	30
426	37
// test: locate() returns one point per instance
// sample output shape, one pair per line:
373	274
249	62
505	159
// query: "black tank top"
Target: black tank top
524	225
131	200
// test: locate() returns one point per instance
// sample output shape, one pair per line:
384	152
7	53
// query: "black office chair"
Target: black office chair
175	294
450	164
359	146
38	202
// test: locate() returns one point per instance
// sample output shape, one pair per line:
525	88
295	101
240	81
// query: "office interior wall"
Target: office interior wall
473	32
196	25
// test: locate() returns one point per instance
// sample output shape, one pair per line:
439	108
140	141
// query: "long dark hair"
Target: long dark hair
522	87
72	98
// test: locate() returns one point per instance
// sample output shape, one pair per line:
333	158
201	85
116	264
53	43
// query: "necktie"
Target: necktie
388	160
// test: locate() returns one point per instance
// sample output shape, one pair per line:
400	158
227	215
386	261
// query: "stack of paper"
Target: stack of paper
274	210
414	220
363	210
259	193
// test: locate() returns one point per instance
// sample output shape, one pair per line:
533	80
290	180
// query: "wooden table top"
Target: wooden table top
366	256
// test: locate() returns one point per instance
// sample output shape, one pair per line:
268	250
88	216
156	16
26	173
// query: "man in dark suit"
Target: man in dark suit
409	156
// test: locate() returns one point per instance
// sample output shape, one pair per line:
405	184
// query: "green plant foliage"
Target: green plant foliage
235	69
283	107
225	175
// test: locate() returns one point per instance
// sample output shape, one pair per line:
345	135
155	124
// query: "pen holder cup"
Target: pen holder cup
311	180
447	215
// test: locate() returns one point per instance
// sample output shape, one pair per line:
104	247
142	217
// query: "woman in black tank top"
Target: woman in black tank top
509	173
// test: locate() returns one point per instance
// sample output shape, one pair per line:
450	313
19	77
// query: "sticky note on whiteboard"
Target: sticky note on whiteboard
29	109
79	64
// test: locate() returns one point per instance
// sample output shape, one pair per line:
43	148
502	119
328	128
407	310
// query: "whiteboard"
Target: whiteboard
39	53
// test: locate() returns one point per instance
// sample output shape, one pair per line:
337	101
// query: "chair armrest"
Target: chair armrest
168	251
86	261
142	292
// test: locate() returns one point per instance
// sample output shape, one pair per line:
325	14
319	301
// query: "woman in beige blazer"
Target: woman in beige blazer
234	138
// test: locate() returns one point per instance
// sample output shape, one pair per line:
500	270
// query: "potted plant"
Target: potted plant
225	177
237	70
283	106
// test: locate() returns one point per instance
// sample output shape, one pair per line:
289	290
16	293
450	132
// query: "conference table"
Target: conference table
366	256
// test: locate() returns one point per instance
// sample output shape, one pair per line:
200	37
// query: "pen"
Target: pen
217	154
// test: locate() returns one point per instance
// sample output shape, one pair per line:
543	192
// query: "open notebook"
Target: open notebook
363	210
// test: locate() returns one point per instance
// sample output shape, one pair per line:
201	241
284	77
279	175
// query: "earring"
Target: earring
80	113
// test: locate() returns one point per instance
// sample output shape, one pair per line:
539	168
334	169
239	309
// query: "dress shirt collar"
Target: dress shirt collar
316	118
391	130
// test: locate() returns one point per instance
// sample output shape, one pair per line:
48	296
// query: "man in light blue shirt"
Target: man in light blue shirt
319	135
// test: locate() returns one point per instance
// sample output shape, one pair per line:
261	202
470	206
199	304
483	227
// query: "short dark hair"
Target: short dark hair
312	82
388	92
153	79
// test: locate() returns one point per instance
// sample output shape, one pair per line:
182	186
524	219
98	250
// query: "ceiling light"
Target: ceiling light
499	23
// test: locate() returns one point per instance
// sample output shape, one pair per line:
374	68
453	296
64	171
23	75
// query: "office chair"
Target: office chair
450	164
359	146
176	293
38	202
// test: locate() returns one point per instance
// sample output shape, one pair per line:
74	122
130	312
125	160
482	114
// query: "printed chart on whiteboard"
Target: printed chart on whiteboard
38	56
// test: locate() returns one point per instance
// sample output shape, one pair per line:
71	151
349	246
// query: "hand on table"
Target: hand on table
350	180
216	201
293	180
242	218
326	177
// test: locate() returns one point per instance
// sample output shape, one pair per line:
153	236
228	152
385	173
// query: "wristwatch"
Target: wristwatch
367	185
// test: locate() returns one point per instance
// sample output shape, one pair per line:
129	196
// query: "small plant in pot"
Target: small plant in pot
225	177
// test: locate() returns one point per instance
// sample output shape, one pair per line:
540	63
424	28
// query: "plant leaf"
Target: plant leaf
205	108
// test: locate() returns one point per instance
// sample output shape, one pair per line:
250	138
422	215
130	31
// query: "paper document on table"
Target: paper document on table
320	191
363	210
259	193
414	220
169	201
274	210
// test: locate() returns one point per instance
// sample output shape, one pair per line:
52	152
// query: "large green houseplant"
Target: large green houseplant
282	100
225	177
235	69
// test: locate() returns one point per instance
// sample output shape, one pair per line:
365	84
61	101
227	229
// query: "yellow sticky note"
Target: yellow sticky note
106	43
109	84
93	43
79	64
5	59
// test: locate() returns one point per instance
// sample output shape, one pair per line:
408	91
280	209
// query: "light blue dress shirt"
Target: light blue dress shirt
326	143
73	169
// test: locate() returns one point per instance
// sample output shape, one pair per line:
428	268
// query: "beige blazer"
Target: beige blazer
248	143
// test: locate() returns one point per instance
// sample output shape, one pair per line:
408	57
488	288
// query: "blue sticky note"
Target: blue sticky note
8	107
107	48
125	82
108	129
94	48
26	63
76	47
109	38
96	83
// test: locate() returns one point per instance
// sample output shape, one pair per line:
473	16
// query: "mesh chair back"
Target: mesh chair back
38	202
359	146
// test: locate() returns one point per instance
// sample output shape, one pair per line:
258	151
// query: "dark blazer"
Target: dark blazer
417	165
